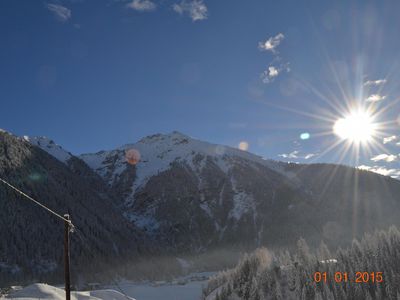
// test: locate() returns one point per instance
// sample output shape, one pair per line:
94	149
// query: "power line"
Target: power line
37	202
80	234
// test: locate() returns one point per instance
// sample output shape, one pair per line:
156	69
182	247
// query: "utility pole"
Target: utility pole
68	227
66	258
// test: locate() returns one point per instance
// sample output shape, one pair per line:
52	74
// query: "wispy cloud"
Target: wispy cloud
276	66
389	139
375	82
269	75
296	155
395	173
62	13
375	98
385	157
309	155
293	154
196	9
272	43
142	5
272	72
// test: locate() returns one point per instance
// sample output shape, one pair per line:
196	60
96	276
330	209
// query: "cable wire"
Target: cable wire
37	202
80	234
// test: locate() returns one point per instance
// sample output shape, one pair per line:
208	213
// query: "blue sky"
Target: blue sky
94	75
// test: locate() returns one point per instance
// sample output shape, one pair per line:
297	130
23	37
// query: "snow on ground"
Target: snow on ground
184	288
44	291
189	291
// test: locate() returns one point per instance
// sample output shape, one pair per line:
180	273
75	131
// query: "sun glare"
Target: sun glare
358	127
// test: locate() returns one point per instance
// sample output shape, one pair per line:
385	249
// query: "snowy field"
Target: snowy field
44	291
187	288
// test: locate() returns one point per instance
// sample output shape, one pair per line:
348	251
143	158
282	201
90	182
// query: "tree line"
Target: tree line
368	269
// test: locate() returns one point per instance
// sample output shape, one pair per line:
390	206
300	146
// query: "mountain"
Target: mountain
190	195
31	238
170	193
50	147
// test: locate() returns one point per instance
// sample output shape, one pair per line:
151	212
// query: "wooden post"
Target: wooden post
66	258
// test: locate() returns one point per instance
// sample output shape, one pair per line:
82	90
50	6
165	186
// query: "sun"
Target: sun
357	127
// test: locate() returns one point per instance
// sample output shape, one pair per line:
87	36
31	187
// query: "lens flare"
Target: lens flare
37	177
243	145
305	136
132	156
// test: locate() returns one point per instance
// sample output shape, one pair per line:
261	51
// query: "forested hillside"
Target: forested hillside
31	246
369	269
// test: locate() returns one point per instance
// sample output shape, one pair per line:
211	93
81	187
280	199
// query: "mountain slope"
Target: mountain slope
186	193
349	201
191	195
32	238
50	147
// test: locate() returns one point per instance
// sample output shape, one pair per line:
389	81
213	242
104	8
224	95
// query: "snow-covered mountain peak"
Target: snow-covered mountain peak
3	130
50	147
178	146
159	137
157	153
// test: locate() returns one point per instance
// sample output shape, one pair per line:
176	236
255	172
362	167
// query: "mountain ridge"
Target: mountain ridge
187	196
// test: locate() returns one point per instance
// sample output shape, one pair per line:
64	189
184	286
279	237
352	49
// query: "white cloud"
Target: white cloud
389	139
309	155
276	66
364	167
62	13
296	154
272	43
375	98
385	157
272	72
196	9
142	5
395	173
290	155
375	82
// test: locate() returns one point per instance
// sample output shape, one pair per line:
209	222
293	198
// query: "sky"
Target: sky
270	77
